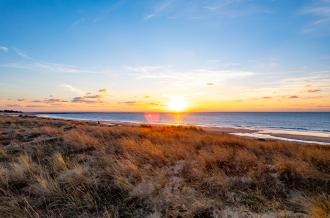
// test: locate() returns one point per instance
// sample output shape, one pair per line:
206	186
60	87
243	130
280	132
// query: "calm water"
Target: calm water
301	121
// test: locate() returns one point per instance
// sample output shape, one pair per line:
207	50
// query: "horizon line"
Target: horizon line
171	112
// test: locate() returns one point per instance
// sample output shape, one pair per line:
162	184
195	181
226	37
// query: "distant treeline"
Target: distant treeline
10	111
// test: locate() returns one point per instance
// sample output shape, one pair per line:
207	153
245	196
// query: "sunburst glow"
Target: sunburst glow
177	104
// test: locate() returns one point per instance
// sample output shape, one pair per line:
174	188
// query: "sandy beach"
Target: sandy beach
293	136
283	133
262	134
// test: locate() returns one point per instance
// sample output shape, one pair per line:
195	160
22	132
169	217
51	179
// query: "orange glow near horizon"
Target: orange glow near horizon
172	103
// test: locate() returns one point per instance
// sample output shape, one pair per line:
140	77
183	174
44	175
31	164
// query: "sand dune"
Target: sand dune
58	168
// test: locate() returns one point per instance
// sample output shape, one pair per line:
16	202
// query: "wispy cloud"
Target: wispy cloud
51	100
35	106
90	98
78	22
22	54
147	69
320	11
13	105
158	9
3	49
313	90
293	96
297	86
53	67
266	63
128	102
198	81
235	8
215	5
167	72
197	9
73	89
320	79
48	67
30	63
98	98
103	15
150	104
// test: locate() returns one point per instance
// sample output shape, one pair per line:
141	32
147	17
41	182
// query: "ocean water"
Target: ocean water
317	122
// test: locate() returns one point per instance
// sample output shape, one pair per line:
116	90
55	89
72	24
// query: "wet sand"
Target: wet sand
303	137
269	135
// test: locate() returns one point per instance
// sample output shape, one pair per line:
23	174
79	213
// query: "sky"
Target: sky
139	55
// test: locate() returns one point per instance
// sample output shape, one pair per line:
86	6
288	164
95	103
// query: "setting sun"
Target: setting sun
177	104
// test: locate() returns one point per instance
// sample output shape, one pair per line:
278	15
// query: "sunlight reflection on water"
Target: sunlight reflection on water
155	117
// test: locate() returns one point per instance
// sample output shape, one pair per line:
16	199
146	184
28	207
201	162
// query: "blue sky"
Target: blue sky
215	54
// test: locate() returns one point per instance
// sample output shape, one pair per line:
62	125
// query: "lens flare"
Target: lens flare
152	117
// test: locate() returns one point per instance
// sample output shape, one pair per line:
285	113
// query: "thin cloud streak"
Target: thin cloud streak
196	9
22	54
73	89
158	9
108	11
49	67
193	81
321	13
166	72
41	66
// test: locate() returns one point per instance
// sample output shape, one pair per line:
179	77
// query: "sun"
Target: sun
177	104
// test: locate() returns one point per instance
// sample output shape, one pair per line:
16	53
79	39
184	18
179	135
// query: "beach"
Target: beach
295	127
55	167
274	135
271	133
299	137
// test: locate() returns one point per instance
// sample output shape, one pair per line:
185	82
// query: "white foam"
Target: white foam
265	136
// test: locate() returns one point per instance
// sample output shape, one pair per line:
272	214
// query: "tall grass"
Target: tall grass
56	168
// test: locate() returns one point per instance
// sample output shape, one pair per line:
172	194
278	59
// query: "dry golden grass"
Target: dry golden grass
57	168
320	206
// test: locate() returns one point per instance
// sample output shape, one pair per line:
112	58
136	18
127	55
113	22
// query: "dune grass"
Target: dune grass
57	168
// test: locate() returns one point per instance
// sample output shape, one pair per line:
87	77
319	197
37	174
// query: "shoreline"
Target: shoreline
262	134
